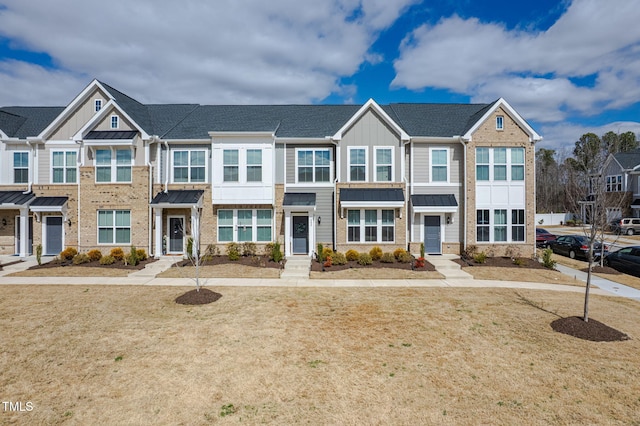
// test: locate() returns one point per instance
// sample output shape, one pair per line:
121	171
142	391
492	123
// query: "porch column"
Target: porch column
195	231
24	233
312	233
287	233
159	241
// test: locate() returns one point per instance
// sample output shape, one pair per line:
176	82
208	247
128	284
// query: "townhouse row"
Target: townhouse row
108	171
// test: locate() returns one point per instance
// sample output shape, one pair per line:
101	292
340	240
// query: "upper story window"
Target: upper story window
64	168
499	122
230	165
313	165
614	183
189	166
113	165
500	164
115	122
254	165
357	164
21	167
384	164
97	105
439	164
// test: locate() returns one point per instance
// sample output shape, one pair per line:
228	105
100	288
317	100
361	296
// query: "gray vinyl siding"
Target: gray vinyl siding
371	131
421	173
290	159
280	163
454	231
324	209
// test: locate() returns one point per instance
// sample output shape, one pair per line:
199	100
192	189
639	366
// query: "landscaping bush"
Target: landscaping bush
117	253
518	261
480	257
399	252
375	253
68	254
547	261
233	251
352	255
420	262
388	258
132	258
94	255
405	257
328	262
249	248
107	260
142	254
209	252
469	252
39	254
365	259
326	252
268	249
276	253
81	258
422	250
339	258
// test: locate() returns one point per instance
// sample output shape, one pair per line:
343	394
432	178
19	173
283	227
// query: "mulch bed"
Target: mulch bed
317	266
592	330
602	270
56	263
257	261
195	297
505	262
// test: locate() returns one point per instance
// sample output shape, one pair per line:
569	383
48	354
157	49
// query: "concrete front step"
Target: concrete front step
296	267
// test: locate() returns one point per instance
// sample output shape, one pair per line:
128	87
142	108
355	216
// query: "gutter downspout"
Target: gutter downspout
147	159
79	162
166	166
336	209
32	165
464	191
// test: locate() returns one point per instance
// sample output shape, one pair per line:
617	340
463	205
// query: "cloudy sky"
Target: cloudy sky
568	67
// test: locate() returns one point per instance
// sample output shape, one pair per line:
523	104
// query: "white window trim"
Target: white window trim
247	165
14	168
375	163
366	163
114	166
611	181
189	151
508	165
363	226
65	167
509	225
314	181
117	122
431	165
113	228
254	226
500	122
97	105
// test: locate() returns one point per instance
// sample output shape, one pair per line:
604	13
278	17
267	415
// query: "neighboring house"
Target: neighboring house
622	177
107	171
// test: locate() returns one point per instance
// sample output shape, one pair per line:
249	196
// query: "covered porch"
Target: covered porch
170	229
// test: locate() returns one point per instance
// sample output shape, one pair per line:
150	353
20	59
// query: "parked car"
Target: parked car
576	246
629	225
543	237
625	260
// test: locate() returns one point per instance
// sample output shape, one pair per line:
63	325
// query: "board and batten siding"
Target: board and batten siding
84	113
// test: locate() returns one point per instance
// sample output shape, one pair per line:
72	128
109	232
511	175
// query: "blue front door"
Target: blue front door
432	237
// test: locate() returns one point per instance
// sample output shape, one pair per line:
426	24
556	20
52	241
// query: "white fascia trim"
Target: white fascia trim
533	136
107	110
206	142
270	134
109	142
371	204
430	209
371	104
434	139
3	135
292	209
303	141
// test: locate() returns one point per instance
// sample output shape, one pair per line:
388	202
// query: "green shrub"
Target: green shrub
39	254
190	248
107	260
81	258
94	255
339	258
388	258
276	253
405	257
132	258
480	257
422	250
320	253
233	251
375	253
326	252
352	255
268	249
399	252
142	254
365	259
68	254
547	261
518	261
249	248
117	253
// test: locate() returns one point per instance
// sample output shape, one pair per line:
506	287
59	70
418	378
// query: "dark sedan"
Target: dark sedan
543	237
576	246
625	260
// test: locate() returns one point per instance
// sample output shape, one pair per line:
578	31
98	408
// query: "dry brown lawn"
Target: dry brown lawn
73	271
130	355
521	274
227	270
375	274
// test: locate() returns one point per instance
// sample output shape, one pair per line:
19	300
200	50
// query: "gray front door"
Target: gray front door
54	235
300	234
176	234
432	238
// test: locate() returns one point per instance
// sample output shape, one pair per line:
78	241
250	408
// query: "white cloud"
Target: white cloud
563	136
532	70
281	51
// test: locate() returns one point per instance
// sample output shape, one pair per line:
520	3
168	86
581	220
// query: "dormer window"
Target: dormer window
97	104
500	122
114	122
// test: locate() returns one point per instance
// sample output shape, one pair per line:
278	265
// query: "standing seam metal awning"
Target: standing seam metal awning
434	203
15	199
299	201
178	198
371	197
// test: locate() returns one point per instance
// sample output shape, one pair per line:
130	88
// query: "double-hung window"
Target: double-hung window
115	122
482	226
517	225
517	163
244	225
439	165
357	164
64	167
113	168
370	225
384	164
97	105
313	165
103	165
225	225
254	165
500	122
20	167
114	227
482	164
123	165
499	225
493	225
614	183
189	166
500	164
230	165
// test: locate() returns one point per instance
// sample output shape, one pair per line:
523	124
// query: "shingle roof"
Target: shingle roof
22	122
434	200
628	160
371	194
190	196
299	199
17	198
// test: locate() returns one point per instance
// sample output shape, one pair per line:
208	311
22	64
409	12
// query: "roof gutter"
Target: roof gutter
464	143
